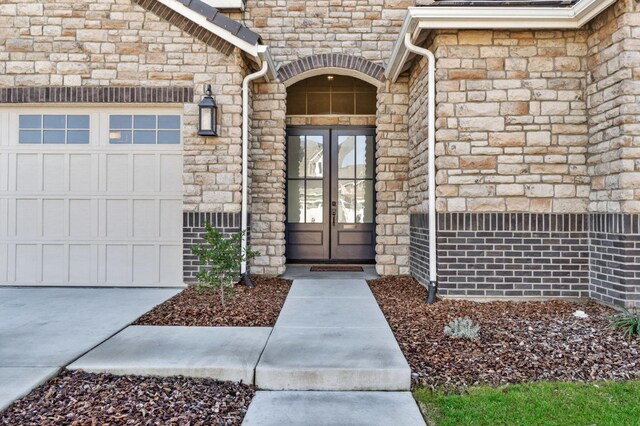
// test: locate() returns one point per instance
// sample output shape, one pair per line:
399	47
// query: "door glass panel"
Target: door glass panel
295	157
364	201
295	201
314	201
346	201
315	156
364	157
346	157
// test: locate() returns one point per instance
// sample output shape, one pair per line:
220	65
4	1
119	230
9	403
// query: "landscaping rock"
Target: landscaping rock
77	398
249	307
517	342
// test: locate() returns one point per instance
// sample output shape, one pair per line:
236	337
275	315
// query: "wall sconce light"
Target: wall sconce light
208	114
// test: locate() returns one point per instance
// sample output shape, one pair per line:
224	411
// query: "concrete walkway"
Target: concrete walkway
330	340
44	329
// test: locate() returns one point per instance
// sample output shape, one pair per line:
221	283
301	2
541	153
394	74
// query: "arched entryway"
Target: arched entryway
331	166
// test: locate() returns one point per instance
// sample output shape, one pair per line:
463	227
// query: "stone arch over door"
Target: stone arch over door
332	63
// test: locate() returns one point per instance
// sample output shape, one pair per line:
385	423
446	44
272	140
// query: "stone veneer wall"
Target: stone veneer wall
511	122
392	178
268	177
613	95
297	28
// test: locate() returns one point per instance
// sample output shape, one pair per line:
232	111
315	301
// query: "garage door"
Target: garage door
90	196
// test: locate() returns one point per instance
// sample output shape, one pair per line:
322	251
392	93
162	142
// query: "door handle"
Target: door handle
333	216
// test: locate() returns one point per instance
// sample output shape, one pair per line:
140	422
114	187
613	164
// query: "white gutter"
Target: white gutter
531	18
431	159
245	154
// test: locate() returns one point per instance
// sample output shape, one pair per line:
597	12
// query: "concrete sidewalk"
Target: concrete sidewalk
44	329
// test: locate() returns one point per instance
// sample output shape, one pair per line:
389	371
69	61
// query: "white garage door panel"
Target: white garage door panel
4	250
92	214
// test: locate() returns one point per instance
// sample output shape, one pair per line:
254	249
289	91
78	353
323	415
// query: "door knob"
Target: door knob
333	216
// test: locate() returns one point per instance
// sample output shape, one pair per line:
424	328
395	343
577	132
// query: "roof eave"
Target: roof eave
253	50
459	17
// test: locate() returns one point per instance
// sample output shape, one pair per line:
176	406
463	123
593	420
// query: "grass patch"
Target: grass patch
545	403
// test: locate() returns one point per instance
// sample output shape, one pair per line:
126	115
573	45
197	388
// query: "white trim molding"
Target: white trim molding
333	70
226	4
457	17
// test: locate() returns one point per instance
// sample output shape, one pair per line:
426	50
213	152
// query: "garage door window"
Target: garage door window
144	129
53	129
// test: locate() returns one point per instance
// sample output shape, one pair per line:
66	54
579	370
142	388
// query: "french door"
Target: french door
330	194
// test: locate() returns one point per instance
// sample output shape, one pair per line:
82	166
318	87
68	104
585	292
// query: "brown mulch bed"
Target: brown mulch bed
77	398
249	307
518	341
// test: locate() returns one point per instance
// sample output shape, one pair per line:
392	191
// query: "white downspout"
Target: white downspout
431	159
245	156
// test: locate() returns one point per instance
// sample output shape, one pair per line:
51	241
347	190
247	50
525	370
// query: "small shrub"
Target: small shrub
220	260
462	328
627	321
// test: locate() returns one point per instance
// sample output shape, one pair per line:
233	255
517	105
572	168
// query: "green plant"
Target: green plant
628	321
462	328
220	259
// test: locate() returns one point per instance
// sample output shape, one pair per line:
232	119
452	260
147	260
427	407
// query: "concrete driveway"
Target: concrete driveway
44	329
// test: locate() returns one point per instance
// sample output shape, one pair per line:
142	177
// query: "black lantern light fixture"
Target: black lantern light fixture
208	114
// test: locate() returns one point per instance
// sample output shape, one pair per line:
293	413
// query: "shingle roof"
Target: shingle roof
216	17
506	3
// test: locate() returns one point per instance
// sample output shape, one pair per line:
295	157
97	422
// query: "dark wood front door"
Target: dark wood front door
330	194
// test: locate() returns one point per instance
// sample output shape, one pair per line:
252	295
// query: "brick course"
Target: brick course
615	258
506	254
193	231
79	94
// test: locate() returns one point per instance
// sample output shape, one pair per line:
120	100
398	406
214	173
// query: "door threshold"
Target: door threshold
297	271
308	262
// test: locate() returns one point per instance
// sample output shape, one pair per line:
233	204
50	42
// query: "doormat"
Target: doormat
336	268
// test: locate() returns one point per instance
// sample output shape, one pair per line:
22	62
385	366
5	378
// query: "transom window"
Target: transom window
53	129
331	95
144	129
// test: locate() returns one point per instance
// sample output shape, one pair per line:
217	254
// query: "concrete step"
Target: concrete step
223	353
333	409
332	359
